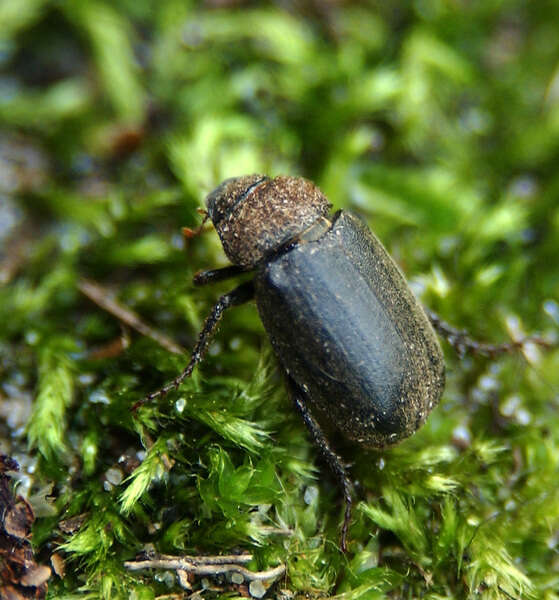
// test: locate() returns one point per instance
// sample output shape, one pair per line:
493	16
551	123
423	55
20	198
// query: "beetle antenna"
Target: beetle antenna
189	233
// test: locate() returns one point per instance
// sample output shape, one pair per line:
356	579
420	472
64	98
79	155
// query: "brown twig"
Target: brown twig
207	565
19	243
102	297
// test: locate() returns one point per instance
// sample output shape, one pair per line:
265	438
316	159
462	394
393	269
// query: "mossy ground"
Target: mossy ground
438	123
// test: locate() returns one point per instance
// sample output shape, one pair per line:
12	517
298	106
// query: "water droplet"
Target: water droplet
237	578
310	495
551	308
113	476
461	436
99	397
214	349
510	405
256	589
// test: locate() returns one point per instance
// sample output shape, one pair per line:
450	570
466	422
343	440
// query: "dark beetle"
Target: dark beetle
355	345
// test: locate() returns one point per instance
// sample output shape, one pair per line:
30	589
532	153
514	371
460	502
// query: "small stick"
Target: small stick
102	297
20	244
220	559
207	565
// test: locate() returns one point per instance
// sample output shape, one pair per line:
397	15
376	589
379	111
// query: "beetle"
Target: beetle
355	346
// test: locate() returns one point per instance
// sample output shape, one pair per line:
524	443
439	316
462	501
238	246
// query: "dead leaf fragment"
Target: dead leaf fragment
21	578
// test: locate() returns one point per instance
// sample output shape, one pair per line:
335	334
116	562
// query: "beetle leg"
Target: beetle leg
215	275
463	343
241	294
334	461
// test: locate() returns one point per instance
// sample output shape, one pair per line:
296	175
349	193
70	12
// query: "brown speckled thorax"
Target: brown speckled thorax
255	215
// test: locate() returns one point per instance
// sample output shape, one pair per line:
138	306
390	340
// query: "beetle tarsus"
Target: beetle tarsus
463	343
241	294
334	461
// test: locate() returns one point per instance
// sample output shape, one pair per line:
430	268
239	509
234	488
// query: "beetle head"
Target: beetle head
255	215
